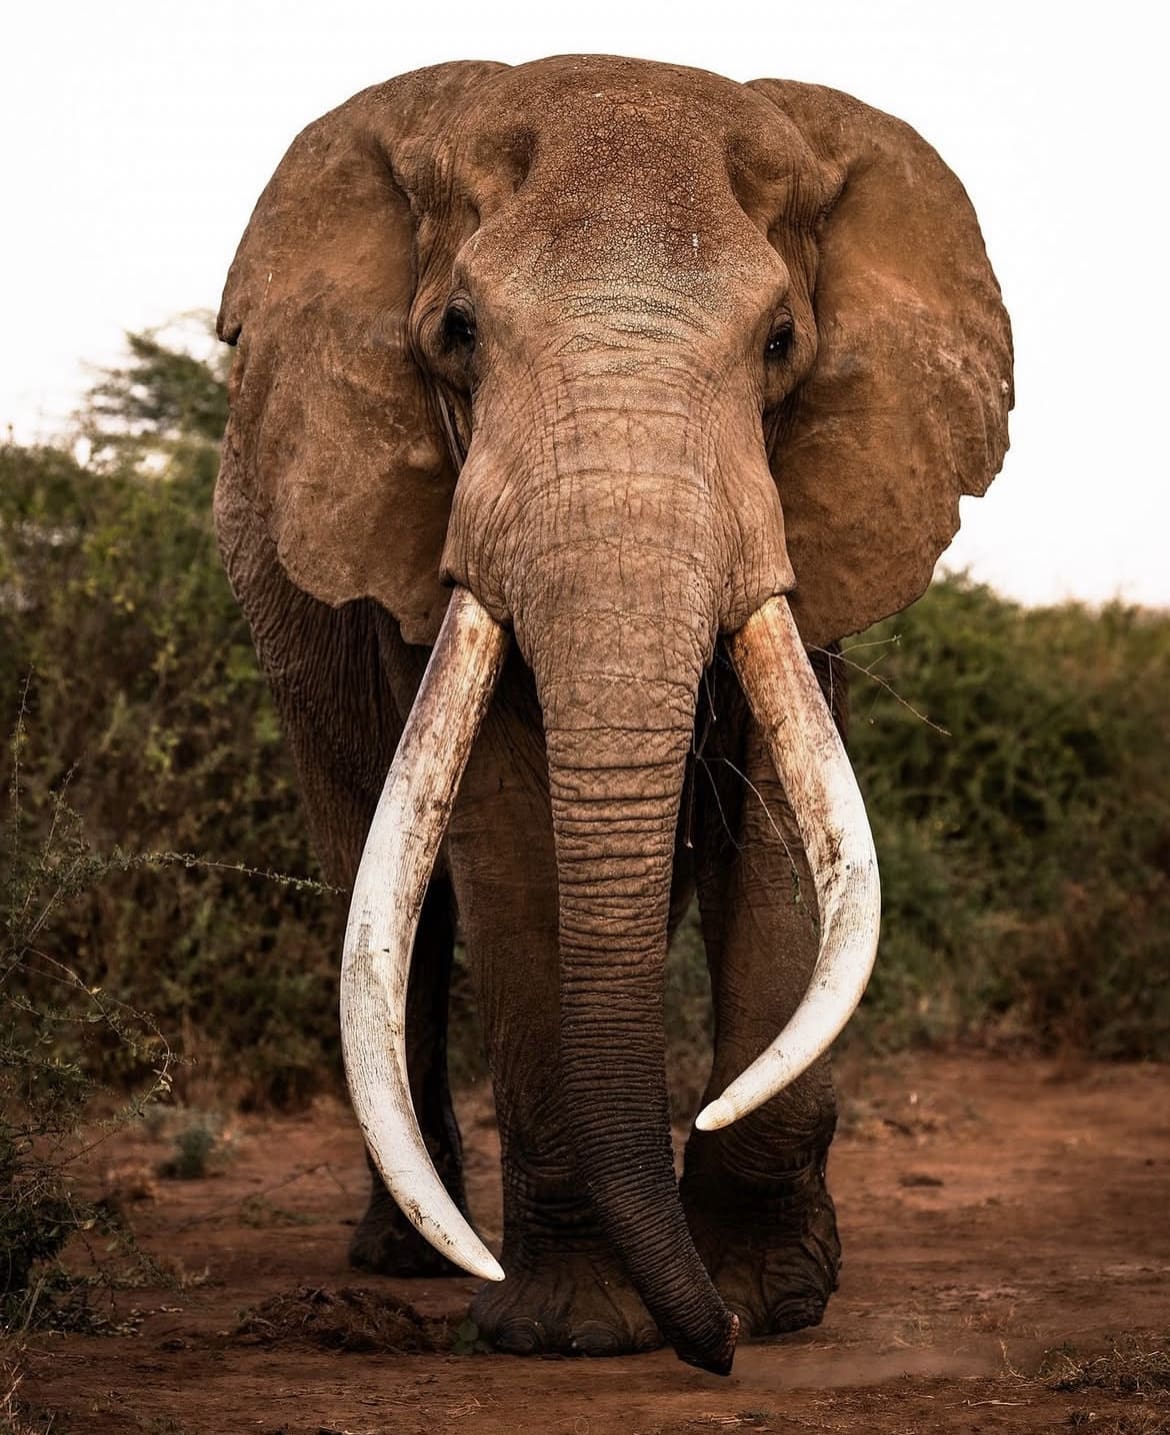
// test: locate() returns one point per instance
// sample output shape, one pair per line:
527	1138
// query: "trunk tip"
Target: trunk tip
720	1362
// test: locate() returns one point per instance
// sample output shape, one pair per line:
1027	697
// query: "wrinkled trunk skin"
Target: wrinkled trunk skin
616	617
615	797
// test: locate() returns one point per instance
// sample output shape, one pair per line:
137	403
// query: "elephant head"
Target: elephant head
616	358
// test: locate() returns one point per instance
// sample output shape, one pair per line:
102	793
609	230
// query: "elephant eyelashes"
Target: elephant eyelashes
780	341
459	329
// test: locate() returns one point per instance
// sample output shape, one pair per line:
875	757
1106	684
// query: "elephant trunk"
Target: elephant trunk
617	681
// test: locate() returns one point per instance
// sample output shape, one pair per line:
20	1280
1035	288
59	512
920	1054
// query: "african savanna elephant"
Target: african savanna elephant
611	389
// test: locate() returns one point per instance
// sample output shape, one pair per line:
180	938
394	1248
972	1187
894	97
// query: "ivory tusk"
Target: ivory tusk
811	762
388	892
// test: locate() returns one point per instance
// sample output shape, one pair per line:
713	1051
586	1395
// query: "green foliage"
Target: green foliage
50	1019
195	1147
688	1017
167	399
466	1339
145	695
1025	850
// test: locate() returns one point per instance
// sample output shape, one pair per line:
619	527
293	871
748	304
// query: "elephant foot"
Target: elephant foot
777	1272
387	1244
567	1303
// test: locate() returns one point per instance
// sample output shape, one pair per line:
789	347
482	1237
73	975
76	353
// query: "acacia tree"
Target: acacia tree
171	393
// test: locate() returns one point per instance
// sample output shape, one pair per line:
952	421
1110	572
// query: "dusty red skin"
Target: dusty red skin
729	342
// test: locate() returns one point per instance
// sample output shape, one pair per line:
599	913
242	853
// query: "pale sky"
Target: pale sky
137	136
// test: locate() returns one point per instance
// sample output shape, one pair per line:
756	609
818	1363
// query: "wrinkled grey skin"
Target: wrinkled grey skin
729	342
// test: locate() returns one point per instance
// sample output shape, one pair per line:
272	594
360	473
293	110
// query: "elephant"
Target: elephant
579	410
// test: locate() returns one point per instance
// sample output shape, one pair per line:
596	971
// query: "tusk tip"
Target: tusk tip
489	1268
716	1115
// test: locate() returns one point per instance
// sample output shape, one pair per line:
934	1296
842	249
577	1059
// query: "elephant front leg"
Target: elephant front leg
755	1192
341	679
384	1240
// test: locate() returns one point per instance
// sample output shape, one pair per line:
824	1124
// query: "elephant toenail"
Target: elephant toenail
647	1337
520	1336
594	1338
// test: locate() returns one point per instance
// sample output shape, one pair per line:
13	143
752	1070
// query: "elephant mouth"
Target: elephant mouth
408	828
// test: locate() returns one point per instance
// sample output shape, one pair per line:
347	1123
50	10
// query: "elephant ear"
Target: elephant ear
906	407
332	436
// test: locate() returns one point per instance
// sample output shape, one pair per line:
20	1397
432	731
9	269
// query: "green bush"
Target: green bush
146	699
1025	850
196	1146
53	1027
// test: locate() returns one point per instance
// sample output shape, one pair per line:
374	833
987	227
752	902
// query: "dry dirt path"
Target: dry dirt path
991	1211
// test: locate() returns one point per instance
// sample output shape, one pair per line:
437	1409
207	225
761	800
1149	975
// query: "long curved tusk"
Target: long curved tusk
388	892
810	760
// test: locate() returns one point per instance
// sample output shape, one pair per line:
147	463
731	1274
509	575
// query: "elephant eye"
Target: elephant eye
780	340
459	328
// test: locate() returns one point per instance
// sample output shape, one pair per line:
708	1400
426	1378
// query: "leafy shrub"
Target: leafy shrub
1025	851
49	1019
195	1147
146	695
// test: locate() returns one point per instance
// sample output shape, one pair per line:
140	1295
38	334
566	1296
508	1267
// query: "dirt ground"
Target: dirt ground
992	1212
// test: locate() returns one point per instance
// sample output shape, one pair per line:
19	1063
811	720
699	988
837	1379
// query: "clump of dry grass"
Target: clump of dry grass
53	1110
1136	1366
15	1417
353	1318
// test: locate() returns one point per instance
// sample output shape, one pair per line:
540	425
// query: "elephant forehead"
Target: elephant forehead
629	100
647	169
539	248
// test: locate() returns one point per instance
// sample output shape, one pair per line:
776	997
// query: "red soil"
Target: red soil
991	1211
